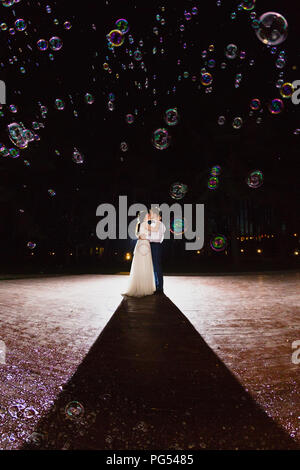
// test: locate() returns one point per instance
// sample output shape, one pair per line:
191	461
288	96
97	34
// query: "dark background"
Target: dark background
63	226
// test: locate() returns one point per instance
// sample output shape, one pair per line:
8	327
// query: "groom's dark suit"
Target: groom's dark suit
156	238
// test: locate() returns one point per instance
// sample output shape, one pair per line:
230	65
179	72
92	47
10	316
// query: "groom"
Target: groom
156	230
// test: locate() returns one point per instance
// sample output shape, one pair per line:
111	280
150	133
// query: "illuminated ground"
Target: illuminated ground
208	366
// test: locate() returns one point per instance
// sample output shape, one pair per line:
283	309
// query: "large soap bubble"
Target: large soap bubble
272	28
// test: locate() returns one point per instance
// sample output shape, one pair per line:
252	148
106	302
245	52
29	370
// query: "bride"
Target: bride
141	278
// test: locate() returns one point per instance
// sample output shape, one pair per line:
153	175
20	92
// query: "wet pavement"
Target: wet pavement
208	365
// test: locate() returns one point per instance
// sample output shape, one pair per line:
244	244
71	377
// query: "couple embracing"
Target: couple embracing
146	276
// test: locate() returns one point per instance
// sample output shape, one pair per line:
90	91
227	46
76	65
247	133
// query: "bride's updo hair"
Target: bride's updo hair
140	219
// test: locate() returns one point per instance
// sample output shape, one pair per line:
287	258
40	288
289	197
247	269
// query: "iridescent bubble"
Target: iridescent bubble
13	108
213	182
111	105
206	79
178	226
3	26
116	38
74	410
178	190
237	123
221	120
37	439
14	153
51	192
111	97
122	25
287	89
77	157
137	55
231	51
20	24
255	104
161	139
216	170
16	135
88	98
129	118
273	28
276	106
248	4
67	25
280	63
171	116
59	104
55	43
255	179
31	245
218	243
42	44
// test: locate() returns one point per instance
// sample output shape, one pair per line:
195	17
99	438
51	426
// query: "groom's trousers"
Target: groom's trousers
156	251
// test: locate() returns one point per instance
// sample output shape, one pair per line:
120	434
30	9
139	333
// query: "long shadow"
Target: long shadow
151	382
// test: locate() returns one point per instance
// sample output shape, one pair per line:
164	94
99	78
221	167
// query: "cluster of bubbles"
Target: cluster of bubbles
218	243
255	179
178	190
116	36
213	180
55	43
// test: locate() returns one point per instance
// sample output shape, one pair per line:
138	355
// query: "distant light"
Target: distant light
198	252
128	256
242	250
259	250
71	254
295	234
296	252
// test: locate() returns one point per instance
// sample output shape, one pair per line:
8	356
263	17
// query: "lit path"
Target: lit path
213	371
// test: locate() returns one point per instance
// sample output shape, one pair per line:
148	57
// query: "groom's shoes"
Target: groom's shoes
158	291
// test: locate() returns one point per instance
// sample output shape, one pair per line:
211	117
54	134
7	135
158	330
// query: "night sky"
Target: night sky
159	66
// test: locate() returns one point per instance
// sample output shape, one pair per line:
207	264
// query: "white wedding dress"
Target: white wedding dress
141	278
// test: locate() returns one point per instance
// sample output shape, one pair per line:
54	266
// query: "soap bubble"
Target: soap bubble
59	104
178	190
88	98
221	120
206	79
255	104
17	135
276	106
122	25
255	179
213	182
171	116
31	245
216	170
74	410
273	28
231	51
218	243
248	4
287	89
237	123
55	43
77	157
129	118
161	138
178	226
116	38
42	44
20	24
